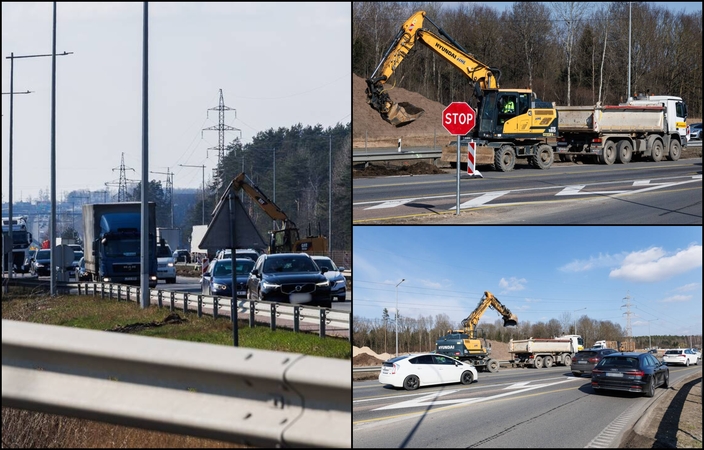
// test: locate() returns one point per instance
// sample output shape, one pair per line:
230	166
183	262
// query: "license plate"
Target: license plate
581	362
614	374
241	292
130	278
300	297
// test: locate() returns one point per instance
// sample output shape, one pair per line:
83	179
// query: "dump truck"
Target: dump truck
645	127
112	244
466	345
622	346
534	352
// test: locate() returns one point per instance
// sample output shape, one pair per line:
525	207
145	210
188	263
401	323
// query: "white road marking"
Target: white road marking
430	399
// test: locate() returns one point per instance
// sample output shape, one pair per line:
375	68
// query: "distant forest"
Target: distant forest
420	334
571	53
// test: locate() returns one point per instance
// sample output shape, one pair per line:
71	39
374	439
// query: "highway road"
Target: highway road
513	408
667	192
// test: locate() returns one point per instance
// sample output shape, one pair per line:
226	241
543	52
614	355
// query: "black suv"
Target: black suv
289	278
630	372
584	361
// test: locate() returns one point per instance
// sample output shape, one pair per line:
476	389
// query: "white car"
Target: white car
166	264
683	356
425	369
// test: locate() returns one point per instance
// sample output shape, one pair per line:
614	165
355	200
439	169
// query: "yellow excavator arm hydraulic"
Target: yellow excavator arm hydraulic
488	301
479	74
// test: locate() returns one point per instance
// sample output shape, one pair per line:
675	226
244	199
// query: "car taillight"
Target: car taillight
635	373
393	371
574	359
593	360
597	371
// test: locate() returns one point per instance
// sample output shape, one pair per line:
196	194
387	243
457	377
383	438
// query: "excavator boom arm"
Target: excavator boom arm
488	301
479	74
242	182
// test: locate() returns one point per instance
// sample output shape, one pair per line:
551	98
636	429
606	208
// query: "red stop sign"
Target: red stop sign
458	118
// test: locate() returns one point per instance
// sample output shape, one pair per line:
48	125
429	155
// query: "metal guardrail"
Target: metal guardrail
253	397
421	153
328	322
360	369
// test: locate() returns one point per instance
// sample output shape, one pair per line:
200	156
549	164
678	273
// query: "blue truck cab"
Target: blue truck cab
113	242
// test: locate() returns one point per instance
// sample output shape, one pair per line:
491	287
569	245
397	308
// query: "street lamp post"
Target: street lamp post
12	58
397	314
575	319
203	198
330	197
650	344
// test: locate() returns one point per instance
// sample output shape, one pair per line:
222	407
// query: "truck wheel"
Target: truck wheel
544	158
656	151
548	362
538	362
411	383
492	366
567	359
466	377
675	150
608	154
505	158
624	151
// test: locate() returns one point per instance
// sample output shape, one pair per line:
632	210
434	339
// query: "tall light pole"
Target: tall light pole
650	344
12	58
330	198
203	198
575	319
397	314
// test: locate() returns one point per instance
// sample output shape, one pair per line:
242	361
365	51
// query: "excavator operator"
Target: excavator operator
509	106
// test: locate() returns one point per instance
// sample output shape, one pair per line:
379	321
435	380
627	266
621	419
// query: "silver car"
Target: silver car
338	283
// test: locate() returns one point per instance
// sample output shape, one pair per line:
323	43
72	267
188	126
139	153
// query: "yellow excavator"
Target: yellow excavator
285	237
513	123
465	345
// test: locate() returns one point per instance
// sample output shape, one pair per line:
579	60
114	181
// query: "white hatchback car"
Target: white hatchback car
683	356
425	369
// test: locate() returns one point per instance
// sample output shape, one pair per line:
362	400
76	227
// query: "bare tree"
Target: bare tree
569	21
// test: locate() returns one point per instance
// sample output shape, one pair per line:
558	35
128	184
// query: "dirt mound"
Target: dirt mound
371	130
364	359
402	168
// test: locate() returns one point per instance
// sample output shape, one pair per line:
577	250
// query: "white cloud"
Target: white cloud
653	265
512	284
592	263
677	298
688	287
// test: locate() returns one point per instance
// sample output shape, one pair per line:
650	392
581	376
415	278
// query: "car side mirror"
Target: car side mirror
323	270
341	269
255	272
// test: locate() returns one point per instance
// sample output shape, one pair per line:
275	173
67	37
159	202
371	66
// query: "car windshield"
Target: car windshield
43	254
673	352
327	263
77	255
163	251
293	263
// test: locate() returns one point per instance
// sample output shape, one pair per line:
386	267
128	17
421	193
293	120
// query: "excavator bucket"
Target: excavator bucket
397	114
511	321
403	113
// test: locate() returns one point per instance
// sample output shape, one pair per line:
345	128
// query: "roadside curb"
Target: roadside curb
646	426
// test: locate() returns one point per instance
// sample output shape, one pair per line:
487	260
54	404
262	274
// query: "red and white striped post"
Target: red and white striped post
471	159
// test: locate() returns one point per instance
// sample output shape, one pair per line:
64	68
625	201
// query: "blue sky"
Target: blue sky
539	273
278	65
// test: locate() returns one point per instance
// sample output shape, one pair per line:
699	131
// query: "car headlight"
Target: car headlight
170	264
268	285
219	286
323	284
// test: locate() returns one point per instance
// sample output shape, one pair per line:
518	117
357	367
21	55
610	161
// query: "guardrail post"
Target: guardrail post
136	299
110	292
296	318
159	295
216	301
323	312
185	302
171	306
200	305
273	316
119	292
251	313
233	318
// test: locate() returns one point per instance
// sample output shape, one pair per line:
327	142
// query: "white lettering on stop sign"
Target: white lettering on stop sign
458	118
